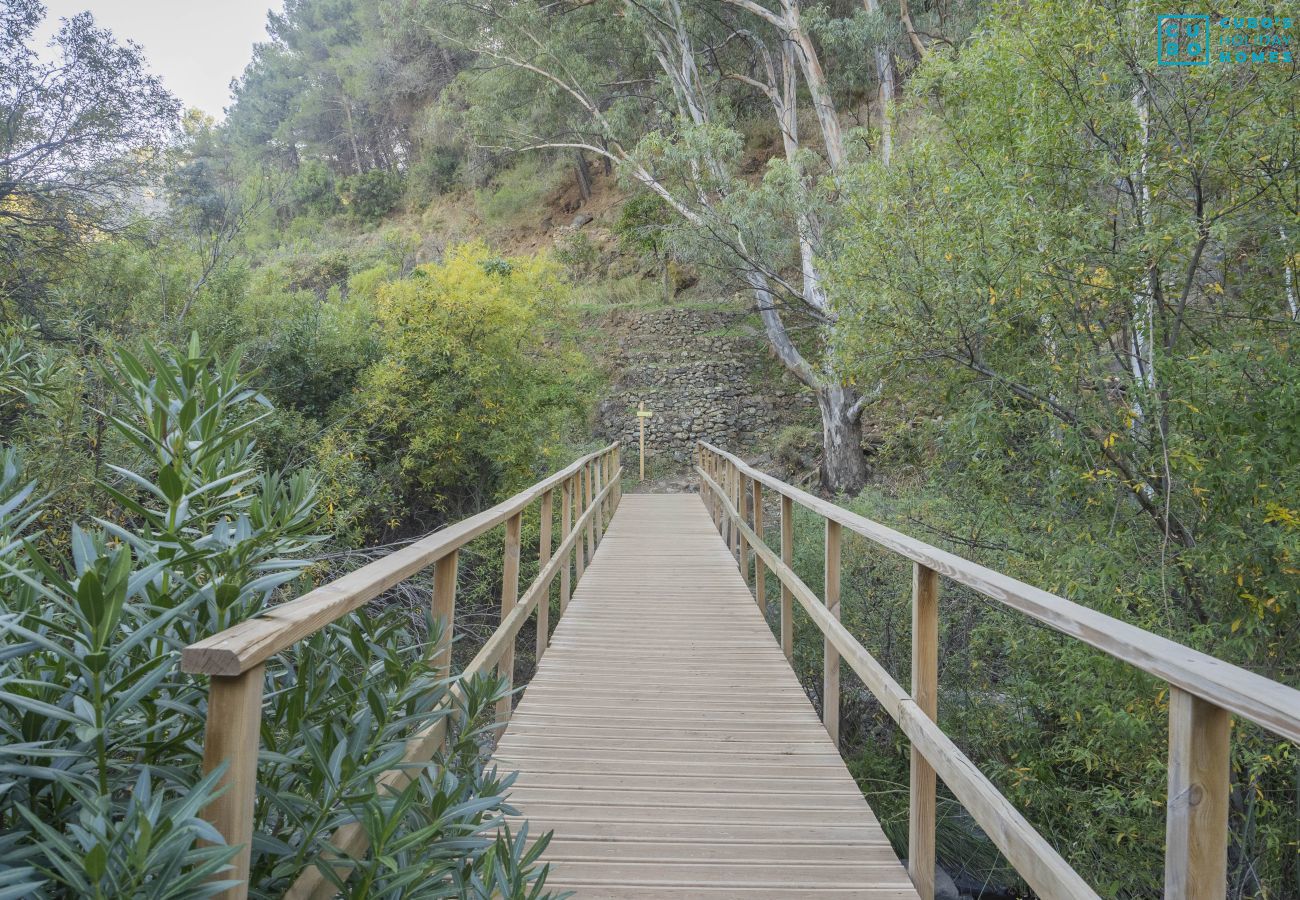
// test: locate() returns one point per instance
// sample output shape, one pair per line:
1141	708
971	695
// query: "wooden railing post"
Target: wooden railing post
597	482
579	547
787	596
543	557
444	608
925	691
760	574
566	525
743	497
233	737
831	656
509	598
735	503
591	521
1196	824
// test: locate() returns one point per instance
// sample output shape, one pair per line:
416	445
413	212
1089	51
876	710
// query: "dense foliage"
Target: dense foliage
102	731
1078	279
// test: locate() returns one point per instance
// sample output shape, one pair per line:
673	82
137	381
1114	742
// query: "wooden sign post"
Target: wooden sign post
642	414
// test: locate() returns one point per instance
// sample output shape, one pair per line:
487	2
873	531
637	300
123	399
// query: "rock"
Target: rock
579	220
944	887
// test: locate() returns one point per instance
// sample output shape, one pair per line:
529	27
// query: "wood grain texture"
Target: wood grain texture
444	608
1196	816
509	599
543	557
831	657
233	738
925	691
1265	702
760	573
668	744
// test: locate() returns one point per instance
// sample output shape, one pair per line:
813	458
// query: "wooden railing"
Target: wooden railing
236	658
1204	692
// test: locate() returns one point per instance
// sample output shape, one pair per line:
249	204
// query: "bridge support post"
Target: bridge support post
787	596
760	573
1196	824
925	692
598	512
509	598
587	503
831	656
579	550
566	525
444	608
742	500
233	737
543	557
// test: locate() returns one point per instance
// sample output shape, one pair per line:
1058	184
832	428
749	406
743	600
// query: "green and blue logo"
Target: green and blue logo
1183	40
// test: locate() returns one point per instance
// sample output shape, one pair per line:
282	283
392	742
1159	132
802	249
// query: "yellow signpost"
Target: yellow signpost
642	414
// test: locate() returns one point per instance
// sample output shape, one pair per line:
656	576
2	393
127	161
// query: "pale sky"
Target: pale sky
196	46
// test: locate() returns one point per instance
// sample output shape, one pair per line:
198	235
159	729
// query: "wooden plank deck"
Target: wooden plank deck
667	743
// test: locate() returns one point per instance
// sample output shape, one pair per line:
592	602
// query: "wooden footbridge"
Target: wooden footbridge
664	739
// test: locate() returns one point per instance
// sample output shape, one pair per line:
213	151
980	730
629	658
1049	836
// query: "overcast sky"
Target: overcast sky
197	46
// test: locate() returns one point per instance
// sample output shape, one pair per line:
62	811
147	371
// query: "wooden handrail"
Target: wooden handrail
236	657
242	646
1204	691
1263	701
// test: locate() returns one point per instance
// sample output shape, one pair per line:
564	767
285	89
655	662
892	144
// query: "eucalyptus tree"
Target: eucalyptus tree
657	87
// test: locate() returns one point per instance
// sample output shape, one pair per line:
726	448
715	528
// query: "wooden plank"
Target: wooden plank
566	513
1261	700
664	716
547	514
787	557
925	692
1196	817
760	574
444	608
830	657
233	737
509	599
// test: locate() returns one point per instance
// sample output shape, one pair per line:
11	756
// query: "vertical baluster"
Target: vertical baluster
787	557
598	483
543	557
509	598
444	608
579	547
233	737
1196	823
831	656
591	521
566	525
742	500
925	691
760	573
735	504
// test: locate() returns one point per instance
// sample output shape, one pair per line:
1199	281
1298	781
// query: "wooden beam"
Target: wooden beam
743	499
598	481
444	609
787	558
580	546
925	692
543	557
566	523
830	657
1196	818
588	501
233	737
760	574
509	598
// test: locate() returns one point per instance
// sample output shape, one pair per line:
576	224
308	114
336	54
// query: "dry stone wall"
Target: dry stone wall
705	374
